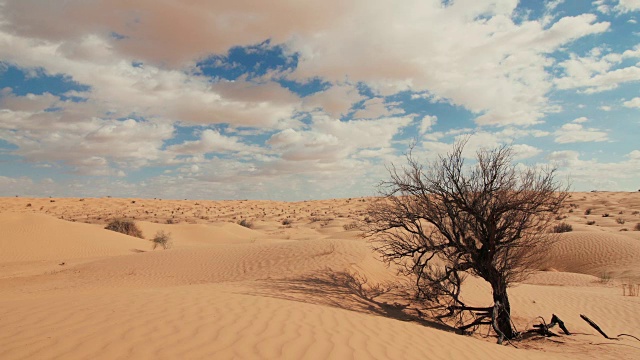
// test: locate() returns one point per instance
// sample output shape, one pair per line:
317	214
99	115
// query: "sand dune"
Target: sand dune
282	289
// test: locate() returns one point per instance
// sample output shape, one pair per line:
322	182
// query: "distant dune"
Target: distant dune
283	288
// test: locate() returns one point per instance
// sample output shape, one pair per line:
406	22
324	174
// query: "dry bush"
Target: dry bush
620	221
125	226
351	226
286	222
246	223
605	215
591	222
588	211
637	227
163	239
431	224
630	289
562	228
605	277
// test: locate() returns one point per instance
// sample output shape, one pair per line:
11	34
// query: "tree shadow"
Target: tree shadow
350	291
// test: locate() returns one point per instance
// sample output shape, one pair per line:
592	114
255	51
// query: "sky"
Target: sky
295	100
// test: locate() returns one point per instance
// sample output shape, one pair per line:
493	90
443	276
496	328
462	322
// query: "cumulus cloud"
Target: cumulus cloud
121	85
91	147
210	141
575	132
427	123
335	101
588	174
329	139
421	46
598	71
625	6
143	85
633	103
376	108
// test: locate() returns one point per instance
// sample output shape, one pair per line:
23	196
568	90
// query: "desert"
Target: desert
73	290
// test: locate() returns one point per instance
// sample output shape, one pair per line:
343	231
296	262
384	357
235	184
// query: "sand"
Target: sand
284	288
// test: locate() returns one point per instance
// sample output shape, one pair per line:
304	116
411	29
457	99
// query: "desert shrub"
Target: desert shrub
161	238
246	223
431	214
286	222
170	221
350	226
620	221
588	211
605	277
124	226
591	222
630	289
562	227
637	227
29	205
636	212
605	215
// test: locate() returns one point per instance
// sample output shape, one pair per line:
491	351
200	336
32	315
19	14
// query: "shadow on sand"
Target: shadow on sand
349	291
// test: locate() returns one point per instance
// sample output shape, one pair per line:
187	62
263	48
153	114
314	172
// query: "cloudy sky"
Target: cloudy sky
292	100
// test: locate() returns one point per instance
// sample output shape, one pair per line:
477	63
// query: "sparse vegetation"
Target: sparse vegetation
163	239
605	277
630	289
588	211
562	228
637	227
620	221
350	226
605	215
125	226
432	224
246	223
591	222
286	222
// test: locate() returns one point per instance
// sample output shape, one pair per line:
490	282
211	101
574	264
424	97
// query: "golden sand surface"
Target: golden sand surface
289	287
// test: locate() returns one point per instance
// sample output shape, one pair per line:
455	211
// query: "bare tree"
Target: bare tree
449	220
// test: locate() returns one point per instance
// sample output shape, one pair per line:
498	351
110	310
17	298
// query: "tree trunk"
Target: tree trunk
503	318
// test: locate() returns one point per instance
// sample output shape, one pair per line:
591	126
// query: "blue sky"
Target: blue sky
284	101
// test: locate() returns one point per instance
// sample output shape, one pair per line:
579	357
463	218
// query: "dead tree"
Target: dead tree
448	220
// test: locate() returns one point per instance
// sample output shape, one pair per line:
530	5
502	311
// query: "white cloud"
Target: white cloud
605	108
575	132
329	139
376	108
633	103
210	141
117	85
634	155
593	174
597	71
625	6
427	123
501	62
335	101
524	151
91	147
